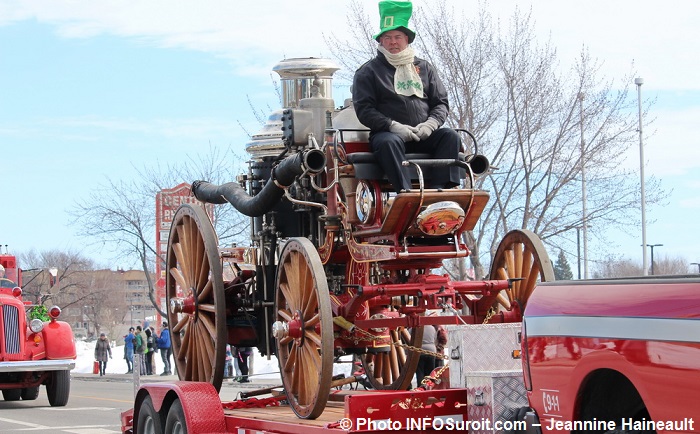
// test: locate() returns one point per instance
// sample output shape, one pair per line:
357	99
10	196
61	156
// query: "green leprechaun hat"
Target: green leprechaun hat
394	16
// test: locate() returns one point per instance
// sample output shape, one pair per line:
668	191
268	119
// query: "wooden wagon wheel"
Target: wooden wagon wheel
394	369
520	255
304	328
195	297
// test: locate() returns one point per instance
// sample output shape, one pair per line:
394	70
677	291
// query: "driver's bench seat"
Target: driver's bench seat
396	213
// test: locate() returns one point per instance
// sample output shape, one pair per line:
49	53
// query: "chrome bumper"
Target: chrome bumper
37	365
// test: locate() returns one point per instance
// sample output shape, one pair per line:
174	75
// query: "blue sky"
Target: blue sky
90	90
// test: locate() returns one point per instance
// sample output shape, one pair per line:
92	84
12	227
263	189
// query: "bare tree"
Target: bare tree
670	265
351	54
614	266
621	267
121	213
541	126
70	269
69	280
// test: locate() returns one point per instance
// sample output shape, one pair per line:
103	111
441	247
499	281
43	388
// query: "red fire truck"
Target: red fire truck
32	351
614	355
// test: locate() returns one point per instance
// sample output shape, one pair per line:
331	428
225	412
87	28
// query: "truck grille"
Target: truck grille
10	316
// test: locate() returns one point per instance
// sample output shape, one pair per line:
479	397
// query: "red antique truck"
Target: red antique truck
32	351
614	355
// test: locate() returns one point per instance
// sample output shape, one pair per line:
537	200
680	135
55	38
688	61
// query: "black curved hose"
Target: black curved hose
255	206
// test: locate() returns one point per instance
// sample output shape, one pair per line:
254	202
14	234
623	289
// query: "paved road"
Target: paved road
94	407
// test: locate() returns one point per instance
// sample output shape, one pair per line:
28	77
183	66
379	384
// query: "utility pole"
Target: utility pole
583	189
645	263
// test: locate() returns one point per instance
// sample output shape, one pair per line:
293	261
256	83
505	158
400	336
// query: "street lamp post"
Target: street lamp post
696	263
578	250
639	81
652	255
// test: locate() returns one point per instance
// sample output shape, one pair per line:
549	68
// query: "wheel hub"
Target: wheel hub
186	305
293	329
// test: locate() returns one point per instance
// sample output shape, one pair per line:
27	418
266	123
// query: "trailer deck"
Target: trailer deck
346	412
358	411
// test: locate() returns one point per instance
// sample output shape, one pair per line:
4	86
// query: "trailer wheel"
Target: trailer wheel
175	423
196	298
30	393
58	388
304	328
149	420
11	394
520	255
394	369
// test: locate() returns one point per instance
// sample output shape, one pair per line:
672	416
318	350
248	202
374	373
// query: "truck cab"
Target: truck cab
613	355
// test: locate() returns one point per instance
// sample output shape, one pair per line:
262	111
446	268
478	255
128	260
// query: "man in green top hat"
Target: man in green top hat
401	99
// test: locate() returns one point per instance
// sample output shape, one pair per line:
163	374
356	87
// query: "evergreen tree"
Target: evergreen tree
562	271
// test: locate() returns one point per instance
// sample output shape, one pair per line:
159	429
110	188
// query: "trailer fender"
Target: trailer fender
200	403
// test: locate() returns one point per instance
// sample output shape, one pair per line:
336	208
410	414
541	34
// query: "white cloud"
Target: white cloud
659	40
241	31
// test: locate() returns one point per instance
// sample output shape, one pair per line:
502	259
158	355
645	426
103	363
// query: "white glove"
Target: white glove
407	134
425	129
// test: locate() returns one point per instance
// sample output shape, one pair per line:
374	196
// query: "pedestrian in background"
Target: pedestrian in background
150	342
165	346
427	362
228	366
140	349
440	345
242	354
129	350
103	352
236	365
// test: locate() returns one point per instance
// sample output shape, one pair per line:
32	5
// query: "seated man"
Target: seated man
401	99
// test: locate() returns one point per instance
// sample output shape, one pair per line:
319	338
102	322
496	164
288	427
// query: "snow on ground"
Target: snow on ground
261	367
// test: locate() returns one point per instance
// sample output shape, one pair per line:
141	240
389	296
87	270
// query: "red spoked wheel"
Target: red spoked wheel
304	328
195	297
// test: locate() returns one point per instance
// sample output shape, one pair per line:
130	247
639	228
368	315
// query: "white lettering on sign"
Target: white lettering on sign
170	203
176	201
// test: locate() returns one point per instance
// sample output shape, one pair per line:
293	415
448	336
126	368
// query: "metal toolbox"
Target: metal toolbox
493	397
485	360
482	347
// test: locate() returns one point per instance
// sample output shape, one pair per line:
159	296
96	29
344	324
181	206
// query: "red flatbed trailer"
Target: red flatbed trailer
202	411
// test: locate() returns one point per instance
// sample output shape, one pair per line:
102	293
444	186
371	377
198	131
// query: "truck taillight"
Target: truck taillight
54	312
16	292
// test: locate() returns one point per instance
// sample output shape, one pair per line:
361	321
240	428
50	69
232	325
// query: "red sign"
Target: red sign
167	203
